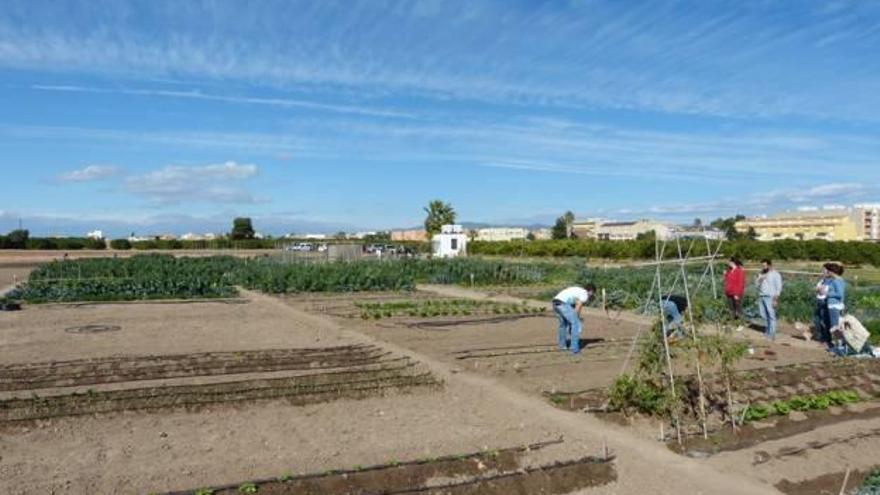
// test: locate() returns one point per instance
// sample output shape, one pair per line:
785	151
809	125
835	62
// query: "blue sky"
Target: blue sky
155	116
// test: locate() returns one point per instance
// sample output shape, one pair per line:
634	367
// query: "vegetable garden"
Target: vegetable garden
167	277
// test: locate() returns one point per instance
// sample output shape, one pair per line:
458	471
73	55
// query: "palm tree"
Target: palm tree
439	214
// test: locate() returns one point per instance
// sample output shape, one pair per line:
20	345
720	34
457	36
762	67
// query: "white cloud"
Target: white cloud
198	95
215	183
89	173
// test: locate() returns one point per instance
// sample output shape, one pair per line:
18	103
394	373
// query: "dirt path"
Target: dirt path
643	466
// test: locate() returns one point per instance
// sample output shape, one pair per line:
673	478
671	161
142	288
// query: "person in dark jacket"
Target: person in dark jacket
735	286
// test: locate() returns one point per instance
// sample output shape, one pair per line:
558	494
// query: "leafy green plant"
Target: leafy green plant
248	487
756	412
204	491
781	408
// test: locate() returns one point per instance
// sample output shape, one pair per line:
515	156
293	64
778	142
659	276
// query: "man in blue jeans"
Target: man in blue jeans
567	305
769	284
673	307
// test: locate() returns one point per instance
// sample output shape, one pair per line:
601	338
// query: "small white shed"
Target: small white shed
450	242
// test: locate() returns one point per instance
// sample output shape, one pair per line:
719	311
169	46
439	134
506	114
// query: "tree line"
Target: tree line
818	250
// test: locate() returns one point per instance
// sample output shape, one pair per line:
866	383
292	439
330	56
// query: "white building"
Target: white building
450	242
542	234
494	234
95	234
627	231
697	233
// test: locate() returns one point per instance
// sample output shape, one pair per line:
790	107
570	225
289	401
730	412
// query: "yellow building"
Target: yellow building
829	225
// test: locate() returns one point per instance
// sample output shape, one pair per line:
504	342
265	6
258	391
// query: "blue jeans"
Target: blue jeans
821	322
768	313
673	319
569	327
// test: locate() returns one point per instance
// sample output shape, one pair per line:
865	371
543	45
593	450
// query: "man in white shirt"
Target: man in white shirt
567	305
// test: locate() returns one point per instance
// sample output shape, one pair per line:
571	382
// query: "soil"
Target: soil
225	444
775	428
241	363
477	476
827	484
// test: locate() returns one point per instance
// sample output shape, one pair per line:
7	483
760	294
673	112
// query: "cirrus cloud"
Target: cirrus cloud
89	173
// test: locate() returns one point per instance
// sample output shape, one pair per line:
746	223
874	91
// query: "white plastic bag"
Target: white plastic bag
854	333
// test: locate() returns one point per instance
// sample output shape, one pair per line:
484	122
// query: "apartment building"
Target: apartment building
833	224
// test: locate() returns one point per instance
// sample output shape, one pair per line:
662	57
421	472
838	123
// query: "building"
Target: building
409	235
450	242
868	218
95	234
833	224
189	236
690	232
627	231
587	229
542	234
493	234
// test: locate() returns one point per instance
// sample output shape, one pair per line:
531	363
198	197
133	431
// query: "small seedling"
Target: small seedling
248	488
204	491
285	477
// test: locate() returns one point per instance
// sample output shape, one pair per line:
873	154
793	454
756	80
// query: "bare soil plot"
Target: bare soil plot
522	349
521	352
494	472
180	396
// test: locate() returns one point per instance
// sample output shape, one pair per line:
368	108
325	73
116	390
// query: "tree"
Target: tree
650	235
242	229
439	214
560	229
530	236
17	239
340	235
569	224
728	225
383	236
751	234
698	223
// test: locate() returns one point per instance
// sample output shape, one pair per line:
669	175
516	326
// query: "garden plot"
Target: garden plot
521	349
500	471
210	394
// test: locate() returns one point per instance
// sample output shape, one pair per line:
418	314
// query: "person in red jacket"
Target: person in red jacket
735	286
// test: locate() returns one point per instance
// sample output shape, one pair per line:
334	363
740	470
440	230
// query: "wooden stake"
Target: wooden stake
690	311
845	480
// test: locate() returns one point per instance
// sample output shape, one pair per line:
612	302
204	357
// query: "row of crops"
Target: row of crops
441	307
